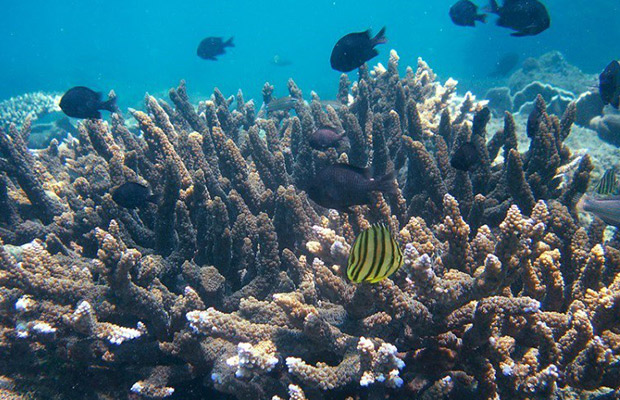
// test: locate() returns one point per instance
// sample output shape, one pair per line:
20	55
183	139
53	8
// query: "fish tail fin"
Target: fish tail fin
482	18
110	105
387	183
579	200
229	43
380	37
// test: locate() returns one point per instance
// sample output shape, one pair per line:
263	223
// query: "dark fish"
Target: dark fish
481	119
465	157
213	46
340	186
504	65
282	104
465	13
606	208
375	255
281	62
608	184
325	137
526	17
609	84
132	195
354	49
82	102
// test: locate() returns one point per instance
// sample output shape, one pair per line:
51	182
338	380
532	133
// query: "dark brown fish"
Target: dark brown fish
465	13
325	137
82	102
465	157
525	17
341	186
211	47
609	84
132	195
354	49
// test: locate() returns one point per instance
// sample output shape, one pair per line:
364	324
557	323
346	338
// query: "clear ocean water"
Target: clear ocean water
139	46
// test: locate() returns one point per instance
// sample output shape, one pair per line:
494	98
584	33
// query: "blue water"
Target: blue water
148	46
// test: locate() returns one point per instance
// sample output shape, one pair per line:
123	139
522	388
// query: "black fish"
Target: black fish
340	186
132	195
465	13
609	84
465	157
504	65
82	102
325	137
526	17
213	46
354	49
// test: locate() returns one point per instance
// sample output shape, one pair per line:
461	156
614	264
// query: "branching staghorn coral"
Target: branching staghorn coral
234	280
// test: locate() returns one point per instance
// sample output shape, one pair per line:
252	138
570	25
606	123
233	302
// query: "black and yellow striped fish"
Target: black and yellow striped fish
608	183
375	255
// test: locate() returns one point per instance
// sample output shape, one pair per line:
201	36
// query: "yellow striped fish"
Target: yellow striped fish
375	255
608	183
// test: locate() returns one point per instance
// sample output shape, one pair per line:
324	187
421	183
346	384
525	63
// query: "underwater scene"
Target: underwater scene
327	200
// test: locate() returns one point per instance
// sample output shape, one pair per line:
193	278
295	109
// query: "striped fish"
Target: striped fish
375	255
608	183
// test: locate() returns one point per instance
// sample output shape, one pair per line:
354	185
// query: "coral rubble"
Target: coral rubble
234	281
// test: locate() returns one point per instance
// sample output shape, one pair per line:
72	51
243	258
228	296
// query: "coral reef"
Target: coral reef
234	281
558	82
30	105
608	128
554	70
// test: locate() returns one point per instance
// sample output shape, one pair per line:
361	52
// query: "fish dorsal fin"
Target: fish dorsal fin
362	171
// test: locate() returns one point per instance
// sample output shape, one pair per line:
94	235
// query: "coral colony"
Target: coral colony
233	281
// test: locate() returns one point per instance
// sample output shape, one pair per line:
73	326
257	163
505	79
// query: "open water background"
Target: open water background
139	46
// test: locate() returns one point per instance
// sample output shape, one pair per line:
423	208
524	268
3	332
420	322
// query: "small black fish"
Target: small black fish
354	49
340	186
325	137
132	195
526	17
465	13
481	119
504	65
213	46
465	157
609	84
281	104
82	102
